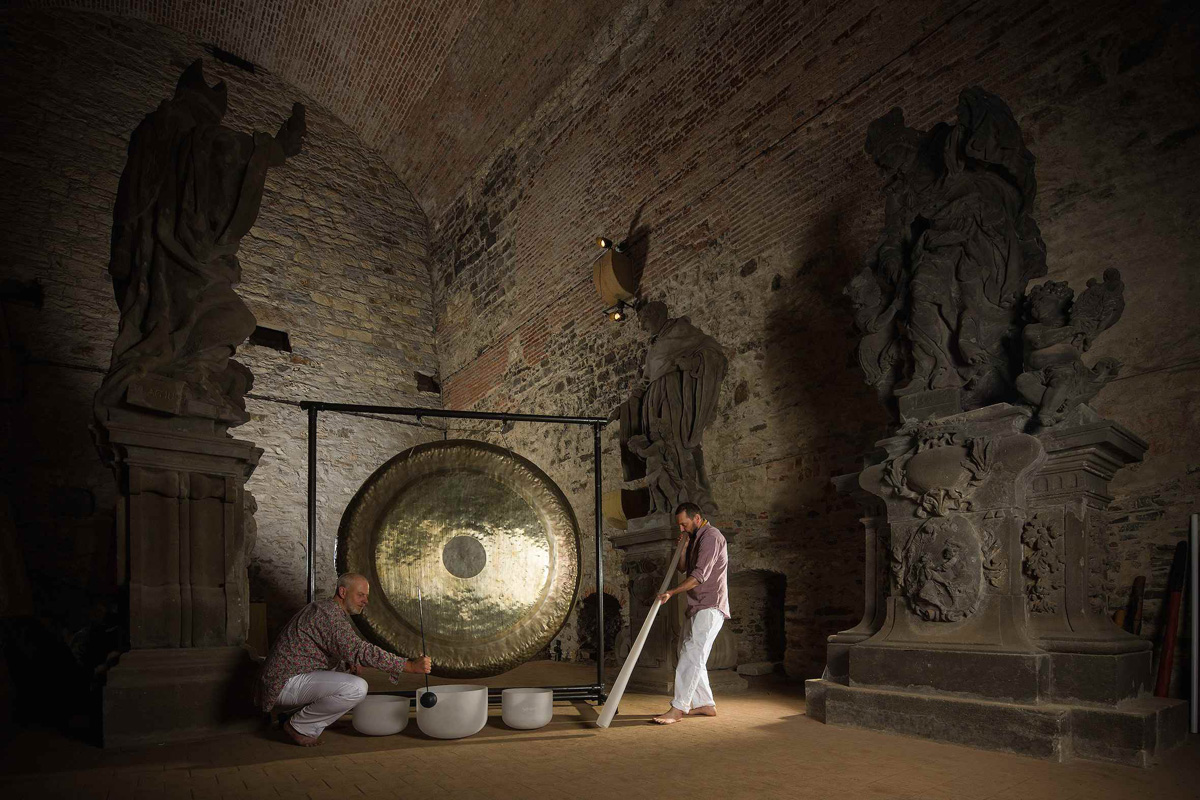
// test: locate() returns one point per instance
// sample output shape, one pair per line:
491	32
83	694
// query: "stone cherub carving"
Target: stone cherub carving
663	420
190	191
662	479
939	300
1055	379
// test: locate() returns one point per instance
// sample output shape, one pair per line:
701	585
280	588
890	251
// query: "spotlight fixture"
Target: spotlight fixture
617	313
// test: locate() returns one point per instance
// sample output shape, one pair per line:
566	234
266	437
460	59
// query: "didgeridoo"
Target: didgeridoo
614	697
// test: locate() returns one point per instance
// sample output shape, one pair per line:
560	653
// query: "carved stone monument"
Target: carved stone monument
190	190
985	517
663	421
662	425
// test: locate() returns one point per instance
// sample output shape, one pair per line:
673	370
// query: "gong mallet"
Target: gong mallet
428	699
610	705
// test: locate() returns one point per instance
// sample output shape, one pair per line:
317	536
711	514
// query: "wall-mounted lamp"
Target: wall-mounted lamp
617	313
615	280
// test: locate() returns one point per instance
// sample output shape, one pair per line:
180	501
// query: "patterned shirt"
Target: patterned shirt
319	637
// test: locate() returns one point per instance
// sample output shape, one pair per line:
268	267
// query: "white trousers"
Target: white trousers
322	697
691	673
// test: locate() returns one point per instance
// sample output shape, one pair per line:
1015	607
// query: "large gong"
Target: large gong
489	538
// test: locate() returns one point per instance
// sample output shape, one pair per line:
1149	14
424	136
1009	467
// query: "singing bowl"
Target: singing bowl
380	715
461	710
526	709
488	537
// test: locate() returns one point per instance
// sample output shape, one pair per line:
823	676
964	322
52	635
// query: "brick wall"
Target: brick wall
434	86
368	62
725	142
338	259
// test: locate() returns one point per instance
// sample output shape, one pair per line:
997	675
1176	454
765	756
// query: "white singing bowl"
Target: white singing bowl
380	715
461	710
526	709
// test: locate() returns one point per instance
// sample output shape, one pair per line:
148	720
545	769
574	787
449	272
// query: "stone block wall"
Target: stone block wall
338	260
723	142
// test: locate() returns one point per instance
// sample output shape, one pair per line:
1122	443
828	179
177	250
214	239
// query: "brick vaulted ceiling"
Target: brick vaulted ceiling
433	85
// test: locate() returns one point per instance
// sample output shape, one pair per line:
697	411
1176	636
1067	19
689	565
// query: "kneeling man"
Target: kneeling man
313	667
706	563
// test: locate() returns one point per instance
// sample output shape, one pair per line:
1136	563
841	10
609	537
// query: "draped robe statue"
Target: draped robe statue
939	300
667	412
190	191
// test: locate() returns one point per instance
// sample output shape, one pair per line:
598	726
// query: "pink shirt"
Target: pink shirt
708	563
319	637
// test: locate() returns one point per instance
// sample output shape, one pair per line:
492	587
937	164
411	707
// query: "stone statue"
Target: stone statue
939	299
985	531
190	191
664	418
662	478
1055	379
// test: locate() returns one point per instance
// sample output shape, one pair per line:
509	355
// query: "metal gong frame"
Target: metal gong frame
595	691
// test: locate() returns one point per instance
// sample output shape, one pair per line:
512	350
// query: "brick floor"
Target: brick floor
760	746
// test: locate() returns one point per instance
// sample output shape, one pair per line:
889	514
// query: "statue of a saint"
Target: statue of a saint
190	191
664	418
939	300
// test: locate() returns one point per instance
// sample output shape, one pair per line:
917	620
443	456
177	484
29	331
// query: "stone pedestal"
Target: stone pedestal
172	694
985	536
1094	660
182	565
649	544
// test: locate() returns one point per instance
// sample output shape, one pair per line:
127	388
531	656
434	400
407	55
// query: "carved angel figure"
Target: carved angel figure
662	479
938	303
1055	379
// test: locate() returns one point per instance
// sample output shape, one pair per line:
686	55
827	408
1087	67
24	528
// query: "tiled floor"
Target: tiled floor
760	746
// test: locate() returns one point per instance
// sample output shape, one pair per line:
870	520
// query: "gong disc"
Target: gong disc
488	537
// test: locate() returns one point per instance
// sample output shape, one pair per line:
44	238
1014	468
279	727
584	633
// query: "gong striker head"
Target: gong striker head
429	699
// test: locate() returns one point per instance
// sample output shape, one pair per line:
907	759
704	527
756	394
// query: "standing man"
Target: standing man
313	668
706	563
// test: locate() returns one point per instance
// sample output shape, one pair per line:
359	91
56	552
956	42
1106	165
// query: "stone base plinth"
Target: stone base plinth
179	694
1092	678
1016	676
1135	732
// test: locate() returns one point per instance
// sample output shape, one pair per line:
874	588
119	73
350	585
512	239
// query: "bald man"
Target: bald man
312	671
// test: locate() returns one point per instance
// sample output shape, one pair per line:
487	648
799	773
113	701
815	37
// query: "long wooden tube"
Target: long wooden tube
618	689
1194	591
1166	654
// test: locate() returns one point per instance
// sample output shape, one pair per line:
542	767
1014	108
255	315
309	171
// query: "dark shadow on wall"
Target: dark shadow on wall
822	406
60	625
636	244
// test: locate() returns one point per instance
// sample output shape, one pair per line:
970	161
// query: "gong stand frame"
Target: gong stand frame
594	691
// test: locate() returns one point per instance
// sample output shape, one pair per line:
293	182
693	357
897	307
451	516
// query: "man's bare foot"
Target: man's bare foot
703	711
672	716
298	737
